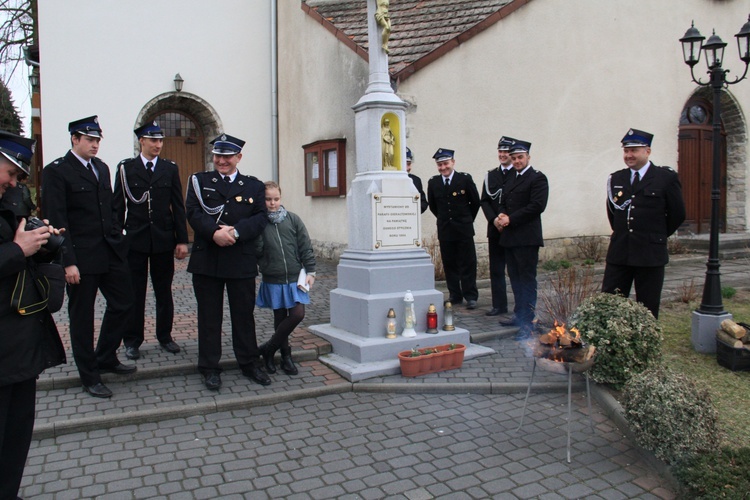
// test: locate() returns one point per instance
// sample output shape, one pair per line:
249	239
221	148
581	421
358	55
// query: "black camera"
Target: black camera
54	242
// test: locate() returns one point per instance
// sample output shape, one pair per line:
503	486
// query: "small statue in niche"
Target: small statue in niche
389	144
383	18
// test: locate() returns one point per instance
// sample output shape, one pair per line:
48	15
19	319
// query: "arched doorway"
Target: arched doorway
183	142
695	166
189	123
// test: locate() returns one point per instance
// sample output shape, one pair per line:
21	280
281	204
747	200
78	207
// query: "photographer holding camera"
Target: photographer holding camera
29	342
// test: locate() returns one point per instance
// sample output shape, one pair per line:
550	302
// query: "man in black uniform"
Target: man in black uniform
227	211
526	197
491	200
416	181
77	195
29	343
644	207
454	200
149	192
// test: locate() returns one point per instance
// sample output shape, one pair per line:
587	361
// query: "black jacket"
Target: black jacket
422	197
455	206
525	198
493	194
28	344
646	216
73	199
154	227
244	203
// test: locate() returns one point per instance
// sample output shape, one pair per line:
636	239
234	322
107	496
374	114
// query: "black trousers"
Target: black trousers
209	293
648	283
17	402
497	272
460	266
522	263
161	268
117	289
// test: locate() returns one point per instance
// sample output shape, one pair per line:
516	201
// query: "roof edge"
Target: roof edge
340	35
451	44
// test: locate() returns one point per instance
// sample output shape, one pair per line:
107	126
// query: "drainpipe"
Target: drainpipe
274	93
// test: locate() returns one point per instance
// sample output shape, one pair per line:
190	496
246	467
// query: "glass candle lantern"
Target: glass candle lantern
432	319
390	326
410	318
448	317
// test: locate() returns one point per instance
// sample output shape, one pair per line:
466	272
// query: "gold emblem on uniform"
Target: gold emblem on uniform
455	193
249	200
463	191
238	199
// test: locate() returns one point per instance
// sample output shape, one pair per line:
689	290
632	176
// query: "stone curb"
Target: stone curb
229	363
86	424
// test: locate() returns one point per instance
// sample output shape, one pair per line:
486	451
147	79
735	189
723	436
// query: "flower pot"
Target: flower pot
444	358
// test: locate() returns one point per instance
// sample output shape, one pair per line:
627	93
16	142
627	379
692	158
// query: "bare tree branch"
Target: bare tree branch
17	31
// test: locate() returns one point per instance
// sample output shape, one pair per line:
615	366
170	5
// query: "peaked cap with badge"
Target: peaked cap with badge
18	150
86	126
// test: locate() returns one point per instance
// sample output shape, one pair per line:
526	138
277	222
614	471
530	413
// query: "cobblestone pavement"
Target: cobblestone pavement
316	435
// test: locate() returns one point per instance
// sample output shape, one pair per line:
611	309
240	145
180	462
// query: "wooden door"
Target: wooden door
183	144
695	150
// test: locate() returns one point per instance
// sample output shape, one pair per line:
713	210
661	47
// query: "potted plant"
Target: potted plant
431	359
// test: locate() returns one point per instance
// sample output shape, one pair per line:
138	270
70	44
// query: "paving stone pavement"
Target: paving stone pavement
444	435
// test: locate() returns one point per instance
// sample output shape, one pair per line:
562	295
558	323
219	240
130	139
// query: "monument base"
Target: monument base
357	358
704	329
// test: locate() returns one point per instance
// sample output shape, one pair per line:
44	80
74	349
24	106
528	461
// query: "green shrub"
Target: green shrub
625	333
551	265
728	292
720	474
670	415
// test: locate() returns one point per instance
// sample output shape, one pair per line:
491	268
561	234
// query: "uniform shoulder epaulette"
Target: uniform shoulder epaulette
168	161
435	176
667	167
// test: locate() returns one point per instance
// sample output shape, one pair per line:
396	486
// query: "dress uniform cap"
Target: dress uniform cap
637	139
18	150
227	145
520	146
149	131
443	154
86	126
409	156
505	143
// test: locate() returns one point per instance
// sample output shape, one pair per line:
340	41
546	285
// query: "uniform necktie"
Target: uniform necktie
93	170
447	181
636	179
149	168
227	179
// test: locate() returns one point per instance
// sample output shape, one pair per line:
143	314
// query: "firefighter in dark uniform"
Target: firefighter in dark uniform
29	343
77	196
644	207
526	195
454	200
416	181
491	199
149	205
227	211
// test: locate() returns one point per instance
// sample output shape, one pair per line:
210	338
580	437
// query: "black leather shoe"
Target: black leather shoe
524	333
98	390
257	375
267	352
119	369
495	312
287	363
508	320
132	353
212	381
471	304
455	302
170	346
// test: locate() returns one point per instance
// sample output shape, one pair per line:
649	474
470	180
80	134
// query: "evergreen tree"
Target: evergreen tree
9	119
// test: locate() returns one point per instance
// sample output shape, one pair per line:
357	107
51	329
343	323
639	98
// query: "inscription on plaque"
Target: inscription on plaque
396	222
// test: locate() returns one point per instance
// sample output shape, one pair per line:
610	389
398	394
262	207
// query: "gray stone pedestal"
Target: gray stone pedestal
704	331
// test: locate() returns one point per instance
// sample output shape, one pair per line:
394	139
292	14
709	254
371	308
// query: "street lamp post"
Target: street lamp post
692	46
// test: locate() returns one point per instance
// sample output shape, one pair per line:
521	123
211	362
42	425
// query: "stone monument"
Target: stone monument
385	257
